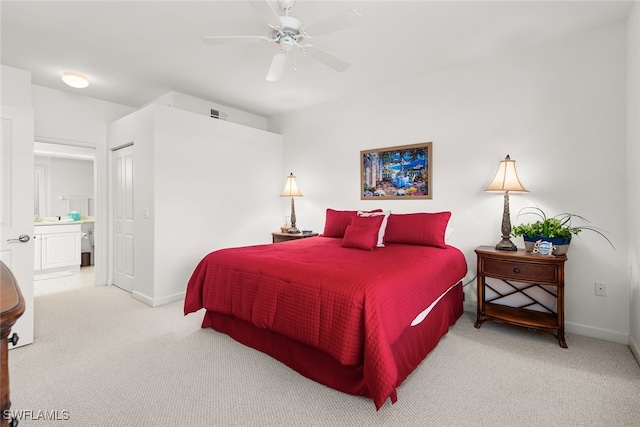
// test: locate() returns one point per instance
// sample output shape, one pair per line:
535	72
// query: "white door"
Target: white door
123	274
16	208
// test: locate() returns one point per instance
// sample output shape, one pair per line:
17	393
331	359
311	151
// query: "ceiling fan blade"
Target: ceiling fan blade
277	67
326	58
266	11
233	39
344	21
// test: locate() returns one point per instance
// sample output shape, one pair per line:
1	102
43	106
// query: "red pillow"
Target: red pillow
336	222
383	225
424	229
368	221
360	237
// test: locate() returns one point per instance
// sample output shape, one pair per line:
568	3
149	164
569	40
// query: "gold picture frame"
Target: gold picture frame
397	173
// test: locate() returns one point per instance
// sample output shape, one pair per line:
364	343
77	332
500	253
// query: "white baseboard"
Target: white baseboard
591	332
587	331
142	298
635	349
157	302
169	299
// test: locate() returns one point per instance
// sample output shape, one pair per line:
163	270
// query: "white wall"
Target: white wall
558	110
68	117
15	87
633	172
207	183
203	107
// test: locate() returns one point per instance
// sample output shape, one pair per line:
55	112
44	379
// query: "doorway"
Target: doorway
65	182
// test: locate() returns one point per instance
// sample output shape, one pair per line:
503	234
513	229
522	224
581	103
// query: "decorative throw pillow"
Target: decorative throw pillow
424	229
336	222
383	225
360	237
368	221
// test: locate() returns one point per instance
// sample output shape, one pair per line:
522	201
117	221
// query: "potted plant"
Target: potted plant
558	229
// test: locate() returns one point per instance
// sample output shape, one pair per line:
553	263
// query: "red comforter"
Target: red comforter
349	303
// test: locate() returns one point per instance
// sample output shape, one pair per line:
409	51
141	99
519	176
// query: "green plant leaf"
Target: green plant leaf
560	225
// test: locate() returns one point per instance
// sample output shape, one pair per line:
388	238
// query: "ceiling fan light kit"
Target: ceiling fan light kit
289	32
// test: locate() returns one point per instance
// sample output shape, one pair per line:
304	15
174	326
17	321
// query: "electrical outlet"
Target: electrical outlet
601	289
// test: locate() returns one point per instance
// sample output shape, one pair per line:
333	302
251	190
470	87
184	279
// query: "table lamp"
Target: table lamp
291	190
506	180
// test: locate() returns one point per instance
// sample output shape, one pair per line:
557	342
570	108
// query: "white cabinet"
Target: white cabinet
57	246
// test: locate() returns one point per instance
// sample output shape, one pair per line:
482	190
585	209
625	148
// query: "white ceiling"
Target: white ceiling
136	51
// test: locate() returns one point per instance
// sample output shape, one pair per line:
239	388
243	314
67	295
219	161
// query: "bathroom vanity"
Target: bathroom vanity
57	245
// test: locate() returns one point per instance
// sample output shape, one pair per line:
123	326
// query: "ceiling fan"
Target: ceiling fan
289	33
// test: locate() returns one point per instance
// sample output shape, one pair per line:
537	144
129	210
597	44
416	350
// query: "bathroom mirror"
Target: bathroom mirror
63	179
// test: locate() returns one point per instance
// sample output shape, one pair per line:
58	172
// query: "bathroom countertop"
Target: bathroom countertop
64	221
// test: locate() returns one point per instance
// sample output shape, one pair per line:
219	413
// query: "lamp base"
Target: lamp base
293	230
506	245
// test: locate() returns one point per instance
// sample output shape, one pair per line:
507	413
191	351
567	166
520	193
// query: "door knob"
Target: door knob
13	339
23	238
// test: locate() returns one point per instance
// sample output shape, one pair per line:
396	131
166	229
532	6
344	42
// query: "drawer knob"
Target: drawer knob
516	270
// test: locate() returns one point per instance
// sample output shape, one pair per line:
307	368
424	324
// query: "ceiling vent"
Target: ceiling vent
216	114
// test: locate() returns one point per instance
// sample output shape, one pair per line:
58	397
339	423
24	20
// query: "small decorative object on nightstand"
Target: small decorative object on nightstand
535	283
284	228
283	237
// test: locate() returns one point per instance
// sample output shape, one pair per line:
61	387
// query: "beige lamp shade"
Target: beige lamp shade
506	178
291	188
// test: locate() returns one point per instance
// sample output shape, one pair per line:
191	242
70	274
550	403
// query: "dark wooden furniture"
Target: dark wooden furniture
11	308
283	237
522	276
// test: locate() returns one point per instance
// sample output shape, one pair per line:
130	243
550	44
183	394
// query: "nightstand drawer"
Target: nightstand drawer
521	270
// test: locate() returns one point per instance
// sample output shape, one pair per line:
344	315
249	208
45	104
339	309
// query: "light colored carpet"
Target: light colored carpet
104	359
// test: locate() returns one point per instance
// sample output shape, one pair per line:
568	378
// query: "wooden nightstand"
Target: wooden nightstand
283	237
533	284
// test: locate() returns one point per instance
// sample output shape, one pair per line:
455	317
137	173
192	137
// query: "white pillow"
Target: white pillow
447	234
383	226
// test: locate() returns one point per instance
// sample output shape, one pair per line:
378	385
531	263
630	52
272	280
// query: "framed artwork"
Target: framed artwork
402	172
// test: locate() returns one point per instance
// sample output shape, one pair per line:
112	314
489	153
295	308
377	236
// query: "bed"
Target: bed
357	308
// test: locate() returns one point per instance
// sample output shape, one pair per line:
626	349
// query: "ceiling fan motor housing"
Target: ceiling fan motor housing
289	33
291	24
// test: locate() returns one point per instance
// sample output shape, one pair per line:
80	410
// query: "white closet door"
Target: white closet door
16	208
123	216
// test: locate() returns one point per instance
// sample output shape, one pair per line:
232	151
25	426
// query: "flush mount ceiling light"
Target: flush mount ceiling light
76	80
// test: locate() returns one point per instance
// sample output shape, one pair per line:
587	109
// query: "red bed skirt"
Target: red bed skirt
411	348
